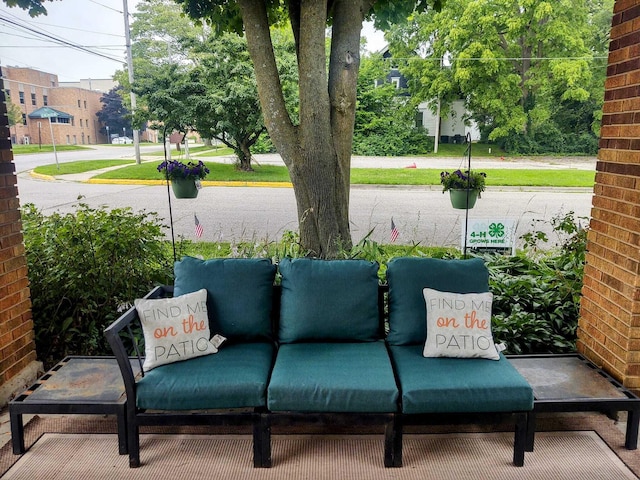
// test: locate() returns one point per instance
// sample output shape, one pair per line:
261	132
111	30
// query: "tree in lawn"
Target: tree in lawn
518	63
114	114
189	79
14	113
317	150
229	111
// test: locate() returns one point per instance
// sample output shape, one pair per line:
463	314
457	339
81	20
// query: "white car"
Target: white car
122	141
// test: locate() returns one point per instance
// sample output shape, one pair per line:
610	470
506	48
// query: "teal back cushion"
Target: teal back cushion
407	276
328	300
239	293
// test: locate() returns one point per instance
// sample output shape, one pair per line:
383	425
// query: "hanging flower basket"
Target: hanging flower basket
459	183
184	188
184	177
459	198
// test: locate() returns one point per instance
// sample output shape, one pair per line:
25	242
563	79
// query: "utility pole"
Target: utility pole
127	34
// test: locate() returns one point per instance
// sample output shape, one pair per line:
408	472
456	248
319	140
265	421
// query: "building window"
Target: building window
78	103
68	140
85	104
80	123
45	100
33	99
24	118
75	140
59	120
21	94
396	81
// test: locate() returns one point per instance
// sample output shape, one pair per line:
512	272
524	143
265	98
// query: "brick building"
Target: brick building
31	90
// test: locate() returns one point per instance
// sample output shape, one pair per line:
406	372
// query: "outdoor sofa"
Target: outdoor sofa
315	347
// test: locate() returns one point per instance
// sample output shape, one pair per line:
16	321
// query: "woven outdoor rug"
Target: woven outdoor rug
584	447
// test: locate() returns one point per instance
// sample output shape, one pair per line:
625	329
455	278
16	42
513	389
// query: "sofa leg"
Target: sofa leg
631	437
262	441
520	440
393	442
133	434
531	431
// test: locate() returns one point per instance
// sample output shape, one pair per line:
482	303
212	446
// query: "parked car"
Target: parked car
122	141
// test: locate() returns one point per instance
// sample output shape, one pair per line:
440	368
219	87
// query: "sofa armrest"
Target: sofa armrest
122	327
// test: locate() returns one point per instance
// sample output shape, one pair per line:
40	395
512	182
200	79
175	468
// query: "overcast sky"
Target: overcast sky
97	25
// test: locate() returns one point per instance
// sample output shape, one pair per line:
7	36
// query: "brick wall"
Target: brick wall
17	348
609	327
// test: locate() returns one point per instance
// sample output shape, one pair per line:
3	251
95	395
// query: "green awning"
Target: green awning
47	112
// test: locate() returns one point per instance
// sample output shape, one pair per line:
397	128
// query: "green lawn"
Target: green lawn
379	176
25	149
79	167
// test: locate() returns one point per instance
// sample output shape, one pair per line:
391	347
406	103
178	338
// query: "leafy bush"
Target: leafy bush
263	144
551	140
84	269
537	293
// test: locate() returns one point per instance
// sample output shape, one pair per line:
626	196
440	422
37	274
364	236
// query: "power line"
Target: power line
107	7
59	40
78	29
482	59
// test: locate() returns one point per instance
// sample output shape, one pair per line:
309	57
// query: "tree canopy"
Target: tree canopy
517	63
113	113
188	79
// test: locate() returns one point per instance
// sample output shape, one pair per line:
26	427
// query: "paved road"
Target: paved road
422	214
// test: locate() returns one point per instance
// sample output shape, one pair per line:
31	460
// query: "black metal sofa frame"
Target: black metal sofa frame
262	420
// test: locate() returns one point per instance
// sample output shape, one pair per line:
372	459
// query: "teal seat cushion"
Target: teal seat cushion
408	276
458	385
235	377
329	300
333	377
239	293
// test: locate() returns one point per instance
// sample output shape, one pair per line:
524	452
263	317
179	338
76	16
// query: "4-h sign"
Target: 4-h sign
491	235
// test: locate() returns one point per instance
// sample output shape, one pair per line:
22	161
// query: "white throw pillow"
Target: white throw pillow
459	325
175	328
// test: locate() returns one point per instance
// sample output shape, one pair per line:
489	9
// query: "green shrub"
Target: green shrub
537	293
84	269
550	140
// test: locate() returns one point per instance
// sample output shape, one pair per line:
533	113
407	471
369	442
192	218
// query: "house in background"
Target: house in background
450	128
453	127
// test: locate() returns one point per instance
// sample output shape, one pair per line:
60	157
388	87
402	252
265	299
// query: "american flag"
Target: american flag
199	231
394	232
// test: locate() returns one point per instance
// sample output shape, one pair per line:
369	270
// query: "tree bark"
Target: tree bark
317	152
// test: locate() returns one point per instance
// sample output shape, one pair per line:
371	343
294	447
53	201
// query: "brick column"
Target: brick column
18	364
609	327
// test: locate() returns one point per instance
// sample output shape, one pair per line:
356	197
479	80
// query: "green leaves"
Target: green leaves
517	63
84	268
537	293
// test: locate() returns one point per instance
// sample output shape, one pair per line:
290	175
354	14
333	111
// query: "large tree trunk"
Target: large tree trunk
318	151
